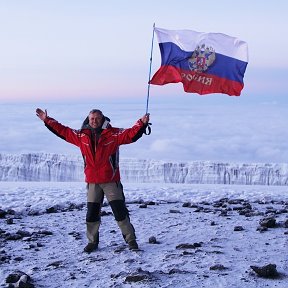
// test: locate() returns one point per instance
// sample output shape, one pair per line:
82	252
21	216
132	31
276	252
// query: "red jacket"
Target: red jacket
102	161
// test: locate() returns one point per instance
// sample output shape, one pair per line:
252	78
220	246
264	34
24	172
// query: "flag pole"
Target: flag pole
148	90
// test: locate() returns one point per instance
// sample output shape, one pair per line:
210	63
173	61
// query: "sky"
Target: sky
75	54
73	50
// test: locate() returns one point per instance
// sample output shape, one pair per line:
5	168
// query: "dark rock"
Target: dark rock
197	245
235	201
251	213
218	204
143	206
45	232
212	223
262	229
267	271
9	221
176	271
269	222
13	237
247	205
198	209
216	252
205	203
24	283
15	276
238	208
187	253
186	204
238	228
33	213
185	246
151	203
138	276
23	233
245	211
153	240
135	278
218	267
282	211
73	206
11	212
76	235
223	213
174	211
2	213
52	209
5	258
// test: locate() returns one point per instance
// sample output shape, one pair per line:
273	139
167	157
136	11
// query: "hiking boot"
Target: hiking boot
133	245
90	247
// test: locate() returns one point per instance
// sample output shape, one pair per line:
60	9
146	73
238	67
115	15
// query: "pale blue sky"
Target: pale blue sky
57	53
67	49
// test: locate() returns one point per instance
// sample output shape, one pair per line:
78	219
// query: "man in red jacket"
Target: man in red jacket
99	144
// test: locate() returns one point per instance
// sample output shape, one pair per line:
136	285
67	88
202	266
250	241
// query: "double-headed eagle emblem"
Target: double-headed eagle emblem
201	58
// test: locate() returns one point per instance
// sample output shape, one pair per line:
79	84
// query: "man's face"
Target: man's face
95	119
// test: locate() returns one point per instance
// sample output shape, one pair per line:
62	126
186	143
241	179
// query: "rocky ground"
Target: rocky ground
224	243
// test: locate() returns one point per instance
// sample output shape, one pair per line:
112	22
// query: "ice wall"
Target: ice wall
54	167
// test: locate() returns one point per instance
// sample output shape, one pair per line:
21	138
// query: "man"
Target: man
99	144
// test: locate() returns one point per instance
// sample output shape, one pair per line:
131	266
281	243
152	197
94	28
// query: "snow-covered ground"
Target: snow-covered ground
45	235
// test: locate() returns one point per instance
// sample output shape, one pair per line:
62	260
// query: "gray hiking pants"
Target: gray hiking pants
114	194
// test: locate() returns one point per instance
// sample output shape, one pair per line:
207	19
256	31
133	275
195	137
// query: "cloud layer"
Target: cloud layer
182	129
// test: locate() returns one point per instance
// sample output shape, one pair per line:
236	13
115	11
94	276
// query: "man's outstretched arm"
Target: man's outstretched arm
66	133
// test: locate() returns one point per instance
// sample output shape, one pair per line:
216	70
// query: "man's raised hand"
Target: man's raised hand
41	114
145	119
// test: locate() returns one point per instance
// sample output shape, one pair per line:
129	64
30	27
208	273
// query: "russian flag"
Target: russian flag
204	62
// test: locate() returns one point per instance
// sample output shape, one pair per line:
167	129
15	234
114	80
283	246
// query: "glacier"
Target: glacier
55	167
